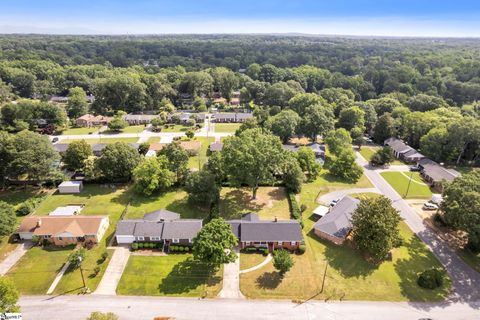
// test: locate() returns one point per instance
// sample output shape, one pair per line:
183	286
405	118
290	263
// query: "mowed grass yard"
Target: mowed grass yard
37	269
106	140
227	127
399	181
172	275
367	153
271	202
197	162
75	131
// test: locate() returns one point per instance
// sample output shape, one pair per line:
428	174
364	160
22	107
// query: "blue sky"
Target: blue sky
348	17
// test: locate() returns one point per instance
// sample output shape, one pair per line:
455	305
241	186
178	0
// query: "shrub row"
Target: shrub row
179	249
147	245
295	212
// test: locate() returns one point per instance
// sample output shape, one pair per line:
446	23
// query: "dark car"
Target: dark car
414	168
54	139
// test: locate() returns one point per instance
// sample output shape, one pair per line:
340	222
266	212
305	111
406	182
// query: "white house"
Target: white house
70	187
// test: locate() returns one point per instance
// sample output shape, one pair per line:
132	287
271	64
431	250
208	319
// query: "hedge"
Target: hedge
295	212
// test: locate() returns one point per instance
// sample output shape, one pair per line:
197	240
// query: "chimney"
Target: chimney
276	219
39	222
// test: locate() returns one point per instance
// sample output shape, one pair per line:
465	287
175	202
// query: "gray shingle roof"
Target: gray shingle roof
60	147
436	172
181	229
148	229
126	227
216	146
398	145
338	221
161	215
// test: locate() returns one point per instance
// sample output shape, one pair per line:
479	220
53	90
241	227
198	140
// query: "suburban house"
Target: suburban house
317	148
191	146
89	120
64	230
185	116
215	146
403	151
231	117
435	174
136	119
60	147
276	234
159	226
335	226
70	187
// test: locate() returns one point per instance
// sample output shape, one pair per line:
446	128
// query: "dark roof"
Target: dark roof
126	227
216	146
60	147
397	145
251	228
181	229
161	215
148	229
337	222
412	153
436	172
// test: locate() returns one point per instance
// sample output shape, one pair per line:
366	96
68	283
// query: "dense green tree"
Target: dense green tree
282	261
8	296
216	166
117	124
423	102
252	158
197	83
461	206
118	161
382	156
308	162
6	155
384	105
77	257
317	120
202	187
76	154
215	243
375	227
280	93
301	101
416	125
384	128
292	174
153	174
436	145
6	93
7	216
77	102
178	159
357	136
284	124
343	165
338	140
351	117
224	81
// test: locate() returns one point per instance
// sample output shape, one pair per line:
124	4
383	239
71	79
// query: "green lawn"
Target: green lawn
399	181
249	260
227	127
153	140
197	162
367	153
134	129
348	275
176	128
102	140
37	269
172	275
75	131
271	202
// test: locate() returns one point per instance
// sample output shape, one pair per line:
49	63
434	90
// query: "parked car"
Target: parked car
430	206
334	202
414	168
54	140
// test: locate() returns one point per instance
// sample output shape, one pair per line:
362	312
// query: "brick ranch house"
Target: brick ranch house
336	225
64	230
276	234
89	120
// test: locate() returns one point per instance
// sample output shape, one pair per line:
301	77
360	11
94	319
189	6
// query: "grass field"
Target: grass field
153	140
176	128
102	140
348	275
197	162
367	153
227	127
35	271
172	275
134	129
399	181
75	131
249	260
271	202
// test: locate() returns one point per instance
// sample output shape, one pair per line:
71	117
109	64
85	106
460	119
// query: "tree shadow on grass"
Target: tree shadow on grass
236	202
408	270
188	275
344	259
269	280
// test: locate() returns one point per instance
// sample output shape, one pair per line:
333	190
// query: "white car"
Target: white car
430	206
334	202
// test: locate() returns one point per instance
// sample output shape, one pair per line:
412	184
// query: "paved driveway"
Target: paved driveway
231	280
329	197
14	256
108	284
465	280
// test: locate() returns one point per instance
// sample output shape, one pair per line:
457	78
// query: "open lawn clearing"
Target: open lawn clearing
227	127
134	129
171	275
271	202
99	199
470	258
367	153
176	128
365	195
102	140
175	200
153	140
399	181
75	131
197	162
36	270
249	260
348	275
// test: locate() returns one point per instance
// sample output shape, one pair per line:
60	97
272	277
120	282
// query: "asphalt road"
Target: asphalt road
465	280
140	308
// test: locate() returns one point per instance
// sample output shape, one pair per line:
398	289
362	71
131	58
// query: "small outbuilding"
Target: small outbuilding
70	187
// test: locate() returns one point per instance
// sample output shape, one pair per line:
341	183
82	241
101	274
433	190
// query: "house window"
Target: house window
47	236
247	243
280	243
140	238
155	238
60	238
293	243
175	240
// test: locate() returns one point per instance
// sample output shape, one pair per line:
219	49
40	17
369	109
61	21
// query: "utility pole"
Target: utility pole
81	270
408	187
